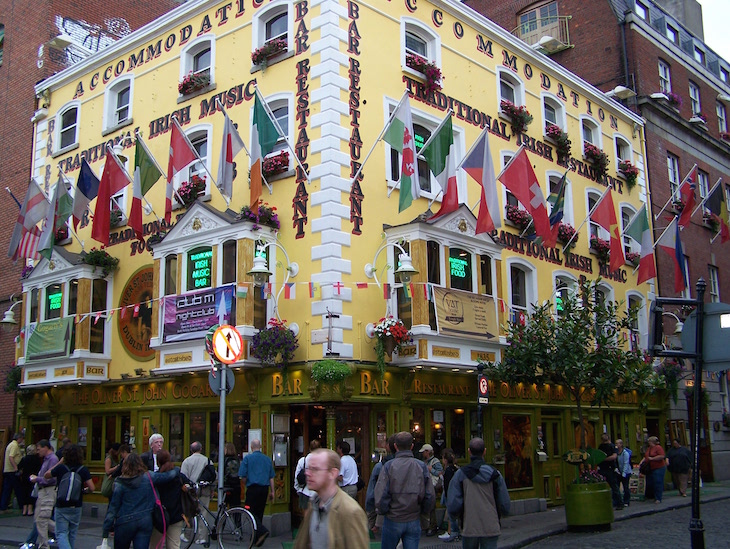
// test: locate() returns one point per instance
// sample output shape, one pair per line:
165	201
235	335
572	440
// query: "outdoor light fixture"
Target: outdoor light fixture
621	92
8	322
261	273
724	97
405	270
548	44
139	371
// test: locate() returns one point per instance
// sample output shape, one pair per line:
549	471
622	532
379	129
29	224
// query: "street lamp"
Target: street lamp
8	322
261	273
405	270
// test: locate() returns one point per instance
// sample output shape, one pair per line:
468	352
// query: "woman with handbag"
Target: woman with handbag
29	465
111	464
657	461
133	500
171	498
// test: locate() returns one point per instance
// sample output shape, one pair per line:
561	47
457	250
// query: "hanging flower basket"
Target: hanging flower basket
193	82
629	171
602	248
273	165
390	335
428	69
521	117
597	158
266	215
189	191
270	49
560	138
102	260
566	232
519	218
274	345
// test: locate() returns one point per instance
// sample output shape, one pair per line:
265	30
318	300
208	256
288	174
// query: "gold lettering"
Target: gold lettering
365	383
277	385
37	375
178	357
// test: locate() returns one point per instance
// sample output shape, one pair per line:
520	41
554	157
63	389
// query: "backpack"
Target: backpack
69	489
208	473
302	475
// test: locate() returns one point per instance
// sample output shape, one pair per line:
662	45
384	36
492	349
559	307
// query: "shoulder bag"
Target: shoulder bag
160	516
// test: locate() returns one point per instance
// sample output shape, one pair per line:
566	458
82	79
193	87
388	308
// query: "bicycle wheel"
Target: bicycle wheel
189	533
236	529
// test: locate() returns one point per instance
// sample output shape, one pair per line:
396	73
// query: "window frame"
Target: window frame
617	139
672	34
530	284
673	173
193	134
665	76
713	285
557	106
542	28
513	81
277	101
264	15
568	216
111	96
191	50
642	11
695	98
593	228
629	243
699	55
703	183
721	113
642	322
59	129
432	40
596	129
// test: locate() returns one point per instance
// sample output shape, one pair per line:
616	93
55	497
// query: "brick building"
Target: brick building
654	49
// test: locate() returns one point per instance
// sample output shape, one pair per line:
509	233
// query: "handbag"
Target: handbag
645	468
160	516
107	486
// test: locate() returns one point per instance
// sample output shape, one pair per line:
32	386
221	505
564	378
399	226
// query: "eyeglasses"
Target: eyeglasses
317	469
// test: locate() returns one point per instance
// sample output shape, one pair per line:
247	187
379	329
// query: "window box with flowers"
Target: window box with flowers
519	115
269	50
630	172
274	345
517	217
390	334
560	138
266	215
189	191
274	165
431	72
601	248
677	205
100	259
193	82
567	233
725	136
633	258
61	236
699	119
596	157
116	218
711	222
674	100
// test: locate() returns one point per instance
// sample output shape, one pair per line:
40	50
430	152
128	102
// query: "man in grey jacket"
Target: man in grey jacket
478	497
403	492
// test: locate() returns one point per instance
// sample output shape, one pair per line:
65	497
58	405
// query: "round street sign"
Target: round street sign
227	344
215	381
483	389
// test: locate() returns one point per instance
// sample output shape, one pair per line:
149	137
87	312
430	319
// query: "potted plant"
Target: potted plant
674	99
102	260
390	334
266	215
270	49
699	119
520	116
711	222
330	371
586	354
519	218
596	157
275	344
566	232
633	258
560	138
189	191
61	234
193	82
273	165
670	372
428	69
629	171
602	249
115	217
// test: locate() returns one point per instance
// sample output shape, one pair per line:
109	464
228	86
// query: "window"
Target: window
630	245
33	312
433	253
553	187
54	301
721	117
72	297
99	300
281	104
623	149
725	75
460	275
699	56
509	198
594	229
539	22
485	280
510	88
199	268
171	274
272	23
642	11
703	183
67	124
522	290
416	45
565	286
199	137
553	112
672	34
118	104
417	39
200	144
714	285
590	132
694	98
665	78
673	168
228	275
201	62
276	27
636	303
198	57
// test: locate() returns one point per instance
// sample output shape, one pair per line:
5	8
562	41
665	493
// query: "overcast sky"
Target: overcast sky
716	18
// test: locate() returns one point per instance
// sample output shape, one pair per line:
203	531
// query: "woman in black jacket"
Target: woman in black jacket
29	465
170	496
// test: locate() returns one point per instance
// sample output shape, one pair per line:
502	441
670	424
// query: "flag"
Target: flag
313	289
400	136
59	211
290	290
717	205
146	174
640	231
520	179
123	312
28	247
687	194
135	313
242	291
337	286
407	292
97	316
87	187
557	202
478	164
441	157
604	215
182	154
230	147
113	180
669	242
362	285
264	137
34	208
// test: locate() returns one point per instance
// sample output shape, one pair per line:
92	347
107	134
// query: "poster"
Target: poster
517	440
460	313
50	339
189	316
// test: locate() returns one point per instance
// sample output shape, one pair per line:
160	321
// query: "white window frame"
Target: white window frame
432	40
564	279
618	140
673	173
596	132
665	77
515	82
695	99
629	243
642	11
59	117
121	197
264	15
703	183
687	292
721	117
714	283
557	106
431	123
187	56
183	175
276	101
568	216
641	317
111	95
530	283
594	228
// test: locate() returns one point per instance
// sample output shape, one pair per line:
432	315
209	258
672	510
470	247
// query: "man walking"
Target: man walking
333	521
478	495
680	463
348	470
257	472
13	456
608	469
403	492
624	470
193	467
149	458
46	493
436	472
304	492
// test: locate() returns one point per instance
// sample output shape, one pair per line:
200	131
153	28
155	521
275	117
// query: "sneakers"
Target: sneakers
182	538
27	546
201	541
447	537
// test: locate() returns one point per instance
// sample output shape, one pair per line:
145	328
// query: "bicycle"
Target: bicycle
233	528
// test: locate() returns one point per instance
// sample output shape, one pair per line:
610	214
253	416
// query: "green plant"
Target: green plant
389	331
266	215
330	371
12	380
521	117
602	249
193	82
597	158
429	70
274	342
189	191
589	476
273	47
562	142
705	400
629	171
115	217
102	260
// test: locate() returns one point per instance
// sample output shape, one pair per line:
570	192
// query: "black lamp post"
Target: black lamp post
696	528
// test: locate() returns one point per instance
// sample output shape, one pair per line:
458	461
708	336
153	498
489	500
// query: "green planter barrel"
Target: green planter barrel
588	507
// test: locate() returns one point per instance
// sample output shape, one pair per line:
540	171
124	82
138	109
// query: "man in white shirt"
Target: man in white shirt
192	467
348	470
305	494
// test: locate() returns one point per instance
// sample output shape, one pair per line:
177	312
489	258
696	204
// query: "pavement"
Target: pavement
517	531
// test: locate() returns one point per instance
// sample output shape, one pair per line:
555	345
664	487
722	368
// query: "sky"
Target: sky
716	16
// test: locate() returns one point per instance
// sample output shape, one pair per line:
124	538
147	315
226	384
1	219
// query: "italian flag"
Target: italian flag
146	174
440	155
264	137
640	231
399	135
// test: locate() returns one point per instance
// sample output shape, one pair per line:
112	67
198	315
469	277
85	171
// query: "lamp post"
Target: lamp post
480	431
261	273
696	528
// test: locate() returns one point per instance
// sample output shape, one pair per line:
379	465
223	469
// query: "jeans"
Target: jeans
67	524
393	532
10	484
657	477
136	532
613	481
479	543
256	495
627	492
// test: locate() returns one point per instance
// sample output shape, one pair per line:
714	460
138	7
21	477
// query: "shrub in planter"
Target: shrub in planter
521	117
266	215
272	48
596	157
428	69
189	191
629	171
102	260
330	371
193	82
560	138
115	217
633	258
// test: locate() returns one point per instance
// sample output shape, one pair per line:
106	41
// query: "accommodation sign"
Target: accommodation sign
50	339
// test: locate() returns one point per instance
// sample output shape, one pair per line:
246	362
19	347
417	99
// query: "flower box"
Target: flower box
674	99
189	191
519	115
273	165
633	258
596	157
601	248
566	232
519	218
629	171
115	218
193	82
266	215
270	49
560	138
429	70
102	260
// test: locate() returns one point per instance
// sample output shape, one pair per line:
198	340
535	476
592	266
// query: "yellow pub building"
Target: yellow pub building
117	354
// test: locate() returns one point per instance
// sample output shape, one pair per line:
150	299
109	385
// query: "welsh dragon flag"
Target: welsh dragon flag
399	135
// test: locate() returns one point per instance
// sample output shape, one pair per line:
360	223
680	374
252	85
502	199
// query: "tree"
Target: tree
584	348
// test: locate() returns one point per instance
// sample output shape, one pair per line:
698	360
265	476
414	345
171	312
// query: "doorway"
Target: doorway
550	441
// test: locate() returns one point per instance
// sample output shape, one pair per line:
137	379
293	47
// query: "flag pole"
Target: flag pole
664	231
11	194
185	137
382	133
672	195
577	231
709	194
281	133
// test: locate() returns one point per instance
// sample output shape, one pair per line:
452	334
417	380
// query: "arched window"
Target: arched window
118	104
198	58
67	126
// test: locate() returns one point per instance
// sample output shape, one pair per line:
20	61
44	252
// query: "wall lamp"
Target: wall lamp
724	97
8	322
621	92
405	270
261	273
